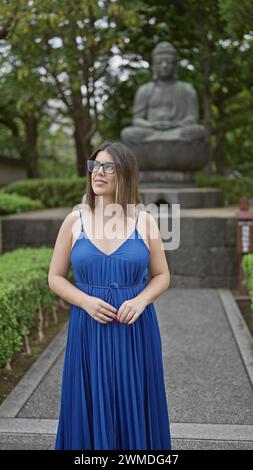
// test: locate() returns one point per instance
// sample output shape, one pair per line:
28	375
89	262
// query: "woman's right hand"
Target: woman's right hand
99	309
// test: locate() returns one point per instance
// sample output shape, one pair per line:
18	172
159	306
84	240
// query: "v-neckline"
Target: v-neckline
113	252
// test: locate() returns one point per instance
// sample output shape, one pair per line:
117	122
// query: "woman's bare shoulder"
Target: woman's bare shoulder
149	224
144	226
71	218
147	218
70	225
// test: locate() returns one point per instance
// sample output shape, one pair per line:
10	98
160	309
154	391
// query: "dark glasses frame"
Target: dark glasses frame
104	165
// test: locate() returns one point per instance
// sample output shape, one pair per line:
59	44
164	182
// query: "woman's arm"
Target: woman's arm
158	267
60	263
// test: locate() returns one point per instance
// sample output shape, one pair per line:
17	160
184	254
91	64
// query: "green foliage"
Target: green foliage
56	152
23	290
15	203
232	188
247	266
117	109
52	192
238	16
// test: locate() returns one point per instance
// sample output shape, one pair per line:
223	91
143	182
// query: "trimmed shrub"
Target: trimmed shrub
232	188
52	192
15	203
247	265
24	296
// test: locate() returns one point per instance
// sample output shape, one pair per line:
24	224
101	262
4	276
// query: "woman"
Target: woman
113	392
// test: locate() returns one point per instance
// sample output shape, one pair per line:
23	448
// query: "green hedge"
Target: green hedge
15	203
232	188
24	292
52	192
247	265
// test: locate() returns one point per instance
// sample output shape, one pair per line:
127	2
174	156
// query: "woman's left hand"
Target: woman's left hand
130	310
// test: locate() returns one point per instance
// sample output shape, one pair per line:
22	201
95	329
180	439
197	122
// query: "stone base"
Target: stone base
171	155
188	198
166	179
206	256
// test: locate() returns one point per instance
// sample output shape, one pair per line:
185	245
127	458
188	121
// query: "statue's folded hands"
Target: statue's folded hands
164	124
142	122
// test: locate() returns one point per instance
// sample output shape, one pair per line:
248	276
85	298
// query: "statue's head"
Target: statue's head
164	61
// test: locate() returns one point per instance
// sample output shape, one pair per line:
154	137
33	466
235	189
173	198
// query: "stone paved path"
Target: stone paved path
208	366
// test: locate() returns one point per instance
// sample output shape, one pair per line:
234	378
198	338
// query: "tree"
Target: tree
217	66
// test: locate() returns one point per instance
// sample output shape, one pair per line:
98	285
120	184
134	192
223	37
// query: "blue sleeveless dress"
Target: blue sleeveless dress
113	391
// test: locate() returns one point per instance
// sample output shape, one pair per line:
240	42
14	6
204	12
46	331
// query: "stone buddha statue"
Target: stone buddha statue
166	110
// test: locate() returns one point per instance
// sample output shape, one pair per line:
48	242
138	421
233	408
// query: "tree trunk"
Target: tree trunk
81	144
82	135
29	150
207	100
218	152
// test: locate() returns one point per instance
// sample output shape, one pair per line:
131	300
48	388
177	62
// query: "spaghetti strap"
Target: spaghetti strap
82	229
137	218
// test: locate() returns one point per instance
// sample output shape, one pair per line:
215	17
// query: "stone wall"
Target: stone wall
207	255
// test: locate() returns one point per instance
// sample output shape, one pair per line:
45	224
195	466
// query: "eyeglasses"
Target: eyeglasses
94	165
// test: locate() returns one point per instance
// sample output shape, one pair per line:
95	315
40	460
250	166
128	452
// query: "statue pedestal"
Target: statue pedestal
171	155
177	187
188	198
167	173
166	179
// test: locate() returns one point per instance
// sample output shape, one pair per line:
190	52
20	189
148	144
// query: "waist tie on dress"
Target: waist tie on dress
111	286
